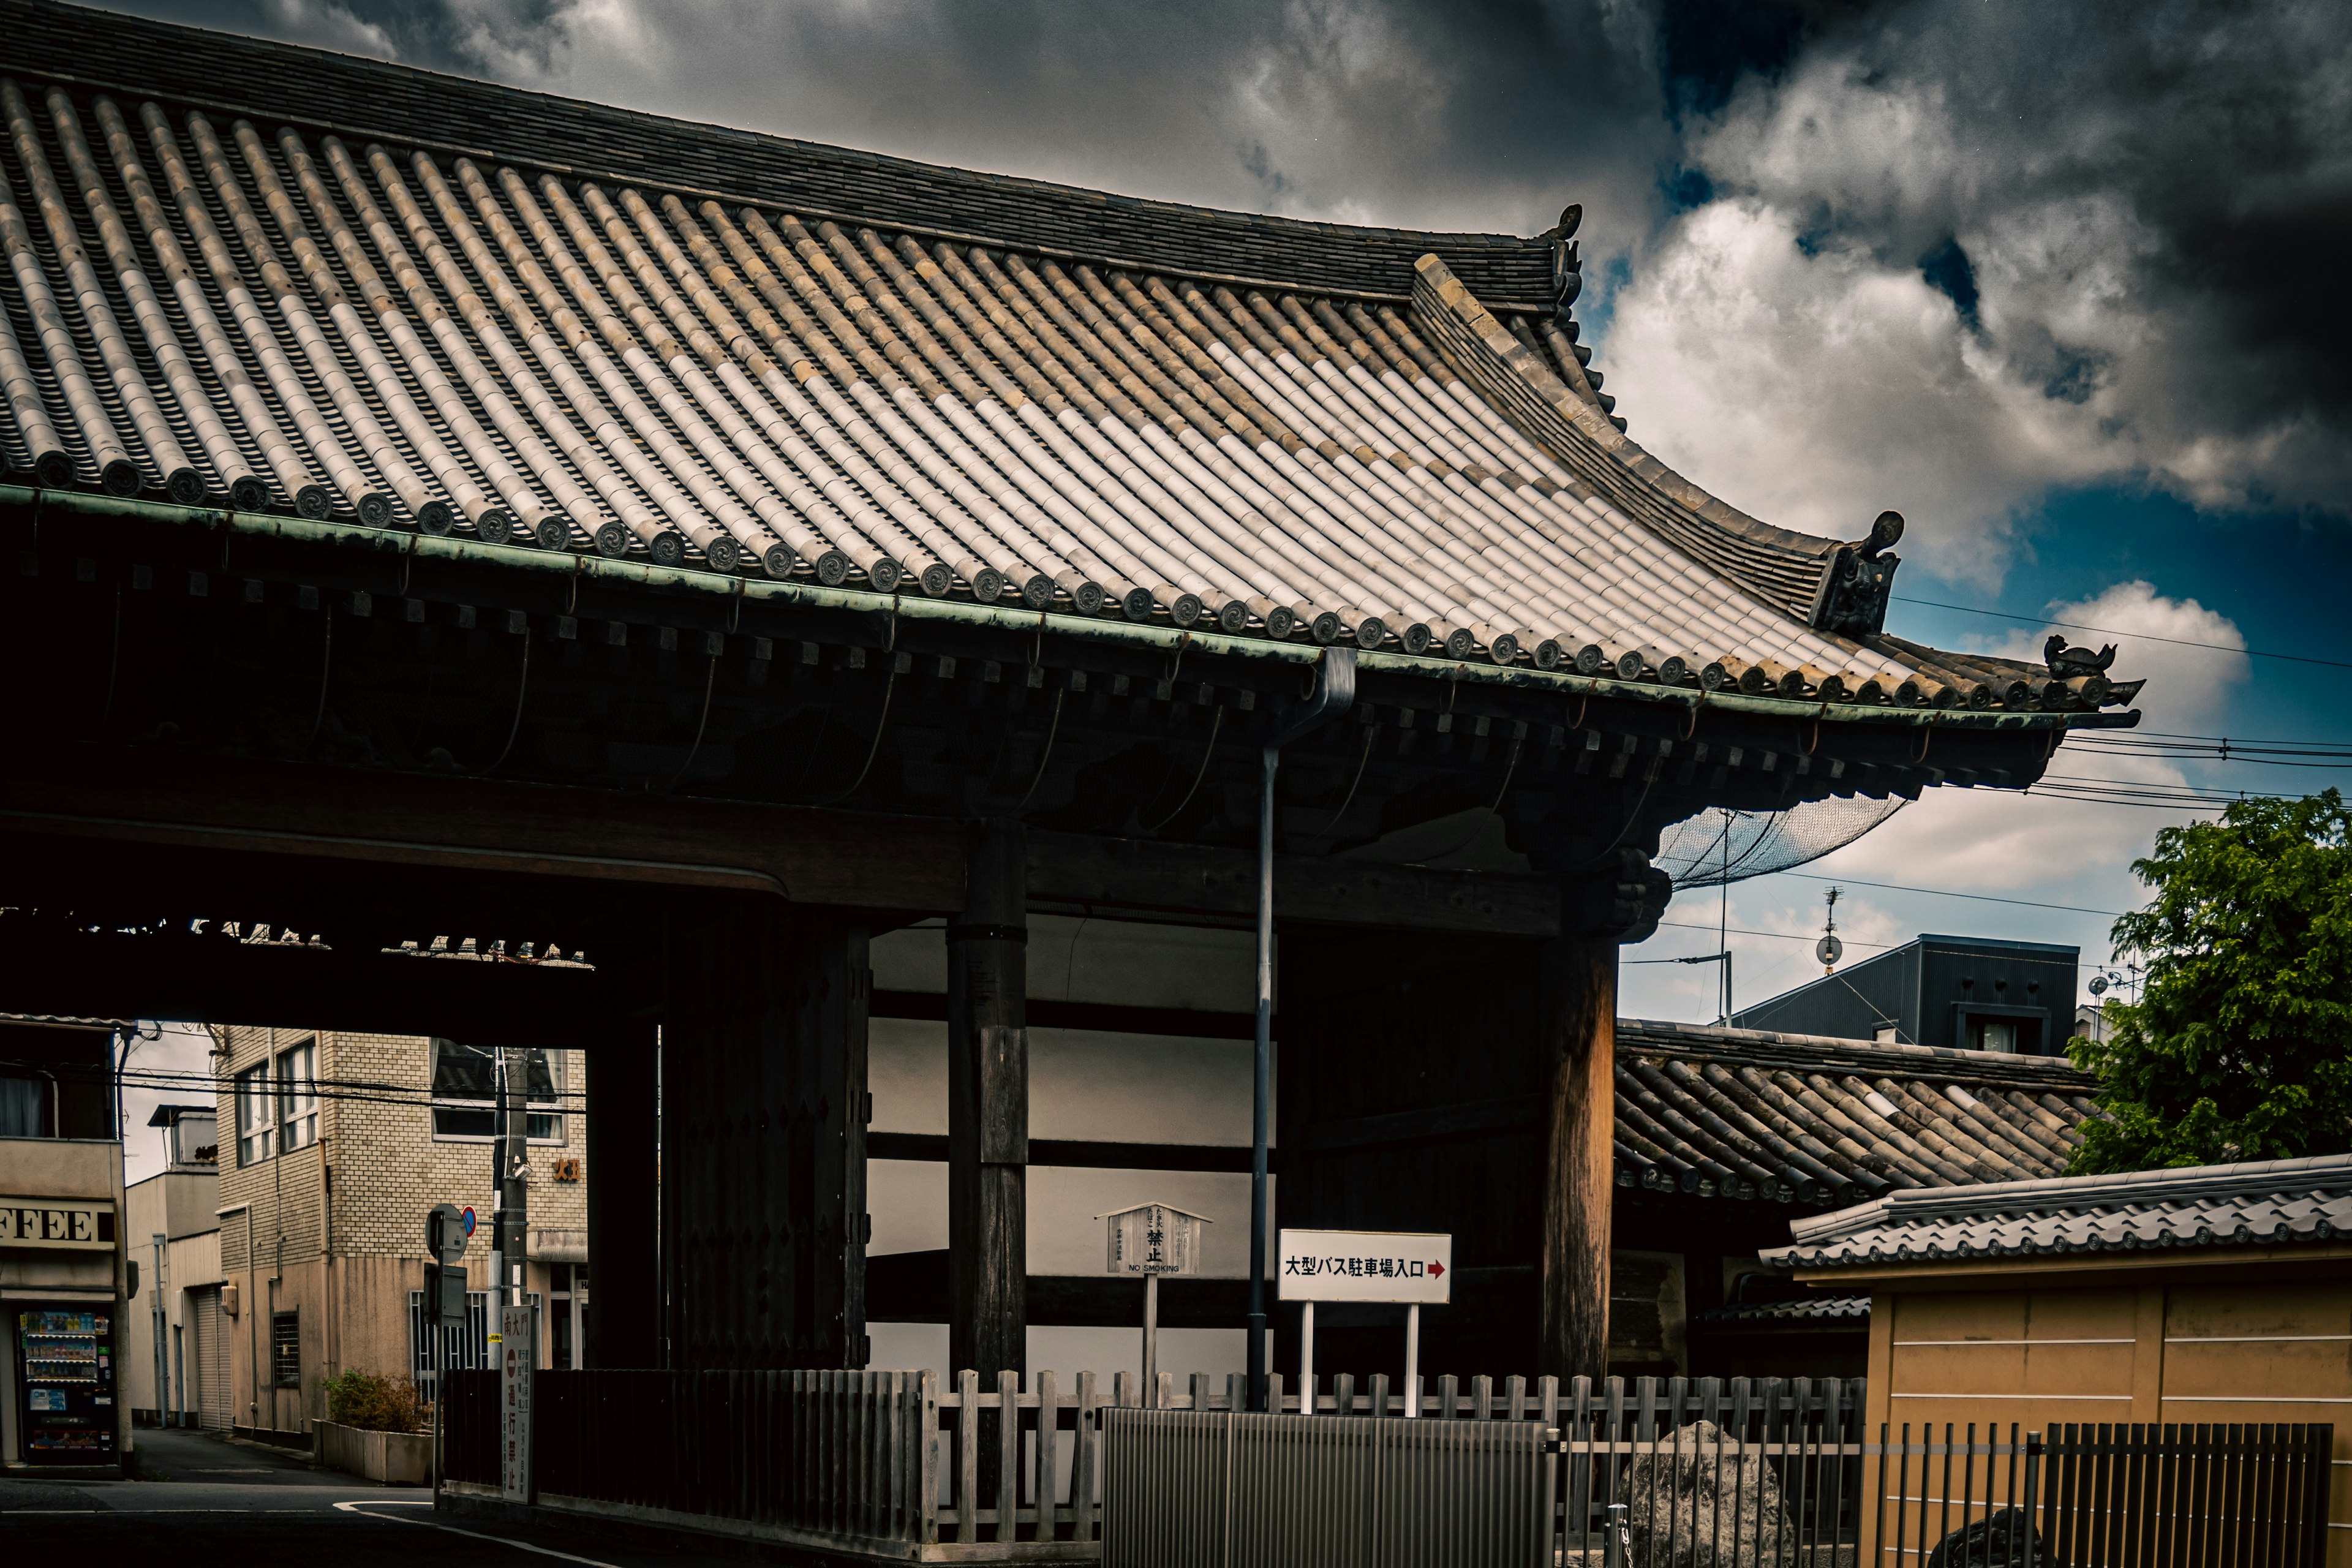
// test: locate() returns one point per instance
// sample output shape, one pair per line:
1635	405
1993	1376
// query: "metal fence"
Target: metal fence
2102	1496
1187	1488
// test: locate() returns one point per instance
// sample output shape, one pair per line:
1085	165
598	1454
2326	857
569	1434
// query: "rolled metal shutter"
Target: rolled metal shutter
213	1412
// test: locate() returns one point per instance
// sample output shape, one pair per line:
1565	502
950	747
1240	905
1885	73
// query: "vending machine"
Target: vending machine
65	1365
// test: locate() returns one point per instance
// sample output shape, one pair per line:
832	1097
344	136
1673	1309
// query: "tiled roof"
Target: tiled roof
1772	1314
757	355
1800	1119
2265	1204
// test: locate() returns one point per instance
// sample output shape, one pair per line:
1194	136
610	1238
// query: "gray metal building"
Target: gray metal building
1963	993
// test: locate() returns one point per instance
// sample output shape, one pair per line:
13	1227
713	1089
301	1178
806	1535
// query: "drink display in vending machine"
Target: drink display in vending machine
64	1364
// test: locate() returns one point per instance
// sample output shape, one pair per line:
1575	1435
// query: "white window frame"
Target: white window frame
296	1082
554	1113
257	1122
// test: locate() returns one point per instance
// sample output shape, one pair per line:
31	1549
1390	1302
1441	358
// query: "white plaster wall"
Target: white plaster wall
1068	1352
1083	1084
909	1199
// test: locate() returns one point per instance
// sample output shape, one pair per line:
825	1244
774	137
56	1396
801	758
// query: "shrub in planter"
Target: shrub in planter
372	1402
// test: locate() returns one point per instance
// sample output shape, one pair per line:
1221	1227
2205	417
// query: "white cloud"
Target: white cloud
1998	841
2103	317
327	25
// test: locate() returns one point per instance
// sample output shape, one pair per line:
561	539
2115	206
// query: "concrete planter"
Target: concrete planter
400	1458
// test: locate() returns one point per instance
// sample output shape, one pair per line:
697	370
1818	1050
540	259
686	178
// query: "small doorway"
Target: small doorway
567	1316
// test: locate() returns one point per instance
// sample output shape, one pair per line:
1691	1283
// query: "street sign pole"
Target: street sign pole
446	1235
1306	1360
1410	1268
1413	1361
1151	1339
1152	1239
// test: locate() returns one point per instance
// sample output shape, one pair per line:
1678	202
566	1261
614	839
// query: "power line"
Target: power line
1942	893
2112	632
1744	930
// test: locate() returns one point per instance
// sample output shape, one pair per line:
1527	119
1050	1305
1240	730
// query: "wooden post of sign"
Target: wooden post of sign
988	1117
1150	1338
1579	1022
1306	1358
1413	1361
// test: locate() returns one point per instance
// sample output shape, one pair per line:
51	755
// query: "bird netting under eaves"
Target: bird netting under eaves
1718	846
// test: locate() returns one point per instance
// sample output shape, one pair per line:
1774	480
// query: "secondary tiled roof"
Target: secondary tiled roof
2266	1203
1832	1309
1749	1114
297	316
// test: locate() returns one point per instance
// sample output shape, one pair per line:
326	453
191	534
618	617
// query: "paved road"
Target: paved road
233	1504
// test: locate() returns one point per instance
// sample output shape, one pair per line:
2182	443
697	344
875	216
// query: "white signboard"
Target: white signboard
1153	1238
72	1224
514	1352
1411	1266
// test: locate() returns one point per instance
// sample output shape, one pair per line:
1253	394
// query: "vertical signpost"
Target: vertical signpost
448	1228
1152	1239
515	1365
1414	1268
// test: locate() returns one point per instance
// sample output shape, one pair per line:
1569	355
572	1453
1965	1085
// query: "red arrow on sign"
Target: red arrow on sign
1436	1271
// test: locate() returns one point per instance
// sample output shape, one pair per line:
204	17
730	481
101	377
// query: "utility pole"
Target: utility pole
512	1189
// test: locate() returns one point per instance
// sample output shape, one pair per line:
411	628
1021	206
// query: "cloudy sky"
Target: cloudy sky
2050	280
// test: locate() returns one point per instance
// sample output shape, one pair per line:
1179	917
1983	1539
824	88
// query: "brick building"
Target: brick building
332	1147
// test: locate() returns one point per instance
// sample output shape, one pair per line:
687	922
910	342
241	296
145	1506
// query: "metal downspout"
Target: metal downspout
1334	694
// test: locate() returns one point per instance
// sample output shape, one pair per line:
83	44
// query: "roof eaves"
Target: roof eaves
1162	639
2321	1172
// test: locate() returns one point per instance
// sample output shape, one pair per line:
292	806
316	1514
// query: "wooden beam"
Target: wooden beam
1100	1017
1077	1155
842	859
1578	1022
1396	1127
988	1106
1142	877
846	860
110	975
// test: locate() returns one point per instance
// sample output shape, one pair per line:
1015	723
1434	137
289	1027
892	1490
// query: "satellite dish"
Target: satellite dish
2098	985
1829	949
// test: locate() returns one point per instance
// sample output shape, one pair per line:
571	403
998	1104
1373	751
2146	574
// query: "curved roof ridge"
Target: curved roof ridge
1782	565
364	100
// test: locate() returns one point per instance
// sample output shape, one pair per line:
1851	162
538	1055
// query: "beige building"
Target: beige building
63	1266
332	1147
2222	1294
174	1355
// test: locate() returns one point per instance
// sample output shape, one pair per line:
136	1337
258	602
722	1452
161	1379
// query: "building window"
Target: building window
297	1096
286	1350
464	1093
24	1107
1992	1034
254	1122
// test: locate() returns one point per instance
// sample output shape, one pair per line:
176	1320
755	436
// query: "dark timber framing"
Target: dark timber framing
718	789
988	1106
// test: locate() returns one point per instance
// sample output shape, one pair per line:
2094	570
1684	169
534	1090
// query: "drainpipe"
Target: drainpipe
246	1309
1334	694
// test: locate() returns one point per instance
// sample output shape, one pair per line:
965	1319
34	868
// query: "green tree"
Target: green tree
2241	1044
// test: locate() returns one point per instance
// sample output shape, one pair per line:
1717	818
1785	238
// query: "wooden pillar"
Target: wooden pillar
624	1216
1578	1020
763	1115
988	1107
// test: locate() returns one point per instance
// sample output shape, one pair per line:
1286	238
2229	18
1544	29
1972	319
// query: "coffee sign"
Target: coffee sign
71	1224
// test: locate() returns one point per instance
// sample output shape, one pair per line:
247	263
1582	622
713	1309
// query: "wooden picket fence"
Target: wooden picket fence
896	1464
